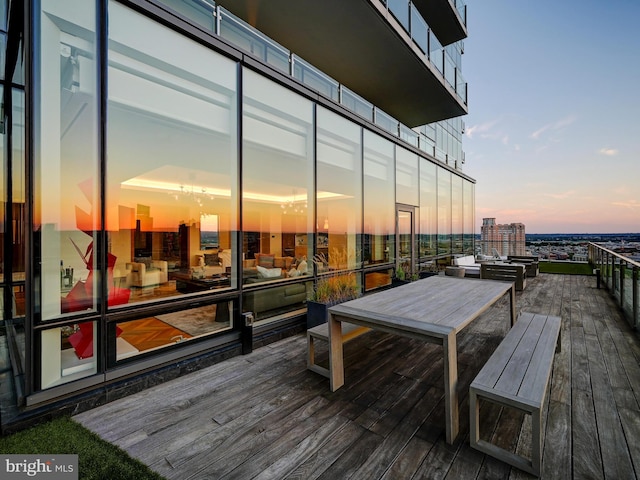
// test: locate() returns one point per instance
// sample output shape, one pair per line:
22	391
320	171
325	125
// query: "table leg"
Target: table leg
512	296
336	361
450	387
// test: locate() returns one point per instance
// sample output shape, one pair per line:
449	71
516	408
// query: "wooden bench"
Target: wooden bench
321	332
517	376
531	263
505	271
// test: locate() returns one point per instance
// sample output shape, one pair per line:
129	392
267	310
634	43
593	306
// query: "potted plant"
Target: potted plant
403	275
330	290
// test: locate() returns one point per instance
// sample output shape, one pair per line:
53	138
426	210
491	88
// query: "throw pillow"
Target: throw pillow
265	260
302	267
269	272
211	259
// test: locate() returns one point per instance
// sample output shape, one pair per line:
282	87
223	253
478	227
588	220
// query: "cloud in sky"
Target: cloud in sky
609	152
627	204
560	196
480	129
553	126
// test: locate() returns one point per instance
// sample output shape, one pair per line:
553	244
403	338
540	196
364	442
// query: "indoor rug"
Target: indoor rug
195	321
148	333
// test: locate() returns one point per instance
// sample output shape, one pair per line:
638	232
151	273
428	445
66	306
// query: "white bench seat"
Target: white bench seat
517	376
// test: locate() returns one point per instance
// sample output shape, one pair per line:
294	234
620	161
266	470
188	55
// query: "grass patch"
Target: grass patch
97	459
566	268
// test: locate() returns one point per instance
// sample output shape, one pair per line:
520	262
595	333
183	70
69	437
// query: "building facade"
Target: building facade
178	174
506	239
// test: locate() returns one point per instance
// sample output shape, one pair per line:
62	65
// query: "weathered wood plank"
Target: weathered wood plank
615	456
264	415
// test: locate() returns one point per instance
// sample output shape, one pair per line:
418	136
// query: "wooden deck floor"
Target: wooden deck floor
266	416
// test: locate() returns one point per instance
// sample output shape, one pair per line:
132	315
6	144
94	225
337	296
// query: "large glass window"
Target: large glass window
457	226
66	186
67	191
444	211
379	200
171	163
427	243
468	206
12	210
407	177
277	194
339	195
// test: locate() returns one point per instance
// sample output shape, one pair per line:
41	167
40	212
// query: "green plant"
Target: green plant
97	459
403	272
334	289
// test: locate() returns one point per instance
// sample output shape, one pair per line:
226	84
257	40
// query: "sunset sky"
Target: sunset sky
553	134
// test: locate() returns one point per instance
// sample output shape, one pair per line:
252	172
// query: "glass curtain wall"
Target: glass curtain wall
407	177
172	181
12	209
379	200
277	195
444	212
427	243
66	185
468	206
457	219
339	192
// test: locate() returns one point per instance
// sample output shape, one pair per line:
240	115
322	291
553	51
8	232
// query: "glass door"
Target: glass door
405	241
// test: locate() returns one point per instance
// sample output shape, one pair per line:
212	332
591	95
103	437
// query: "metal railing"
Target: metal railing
620	276
220	21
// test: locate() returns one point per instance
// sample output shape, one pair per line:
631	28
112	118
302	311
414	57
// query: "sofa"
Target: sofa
531	262
213	262
147	273
270	299
468	262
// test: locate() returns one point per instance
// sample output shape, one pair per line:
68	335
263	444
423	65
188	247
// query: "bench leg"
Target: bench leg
311	354
450	387
336	361
474	419
536	442
532	466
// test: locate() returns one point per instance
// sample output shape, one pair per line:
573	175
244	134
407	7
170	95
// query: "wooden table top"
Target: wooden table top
434	306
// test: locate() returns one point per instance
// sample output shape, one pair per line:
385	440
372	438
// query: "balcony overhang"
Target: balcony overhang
443	18
361	45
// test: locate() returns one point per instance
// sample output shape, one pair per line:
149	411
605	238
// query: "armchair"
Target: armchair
139	275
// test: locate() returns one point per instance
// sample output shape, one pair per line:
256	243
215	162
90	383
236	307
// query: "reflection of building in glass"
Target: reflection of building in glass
506	239
191	162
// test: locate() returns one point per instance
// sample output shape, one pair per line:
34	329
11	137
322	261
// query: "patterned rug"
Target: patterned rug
148	333
195	321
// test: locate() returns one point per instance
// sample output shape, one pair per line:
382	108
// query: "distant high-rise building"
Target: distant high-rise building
506	239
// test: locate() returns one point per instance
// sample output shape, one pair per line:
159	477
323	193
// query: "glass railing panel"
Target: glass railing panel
449	71
386	121
400	10
200	12
461	87
440	154
409	135
419	30
461	7
620	275
626	300
356	104
253	41
314	78
436	55
427	145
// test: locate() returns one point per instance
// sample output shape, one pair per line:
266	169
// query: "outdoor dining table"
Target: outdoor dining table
434	309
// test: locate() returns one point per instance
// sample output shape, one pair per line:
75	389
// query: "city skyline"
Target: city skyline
551	136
